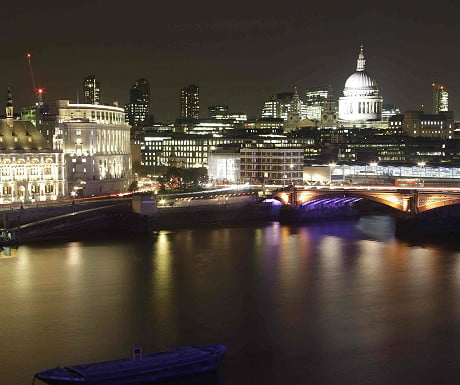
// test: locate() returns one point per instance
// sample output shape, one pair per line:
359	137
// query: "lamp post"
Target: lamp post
331	170
374	170
422	166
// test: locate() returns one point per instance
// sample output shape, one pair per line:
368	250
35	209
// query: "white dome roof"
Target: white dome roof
360	83
360	80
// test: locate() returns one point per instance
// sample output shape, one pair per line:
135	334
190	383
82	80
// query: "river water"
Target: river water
325	303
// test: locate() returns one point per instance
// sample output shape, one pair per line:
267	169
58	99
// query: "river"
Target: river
327	303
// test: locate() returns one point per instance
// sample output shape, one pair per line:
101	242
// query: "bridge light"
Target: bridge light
284	197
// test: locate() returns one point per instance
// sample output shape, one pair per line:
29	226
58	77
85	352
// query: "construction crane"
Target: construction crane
38	91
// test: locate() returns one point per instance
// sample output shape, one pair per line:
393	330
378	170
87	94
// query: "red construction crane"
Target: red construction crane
38	91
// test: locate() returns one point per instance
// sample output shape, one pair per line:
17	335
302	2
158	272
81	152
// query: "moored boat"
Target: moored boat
140	369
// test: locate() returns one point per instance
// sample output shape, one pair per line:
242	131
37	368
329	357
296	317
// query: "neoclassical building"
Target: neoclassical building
95	140
30	170
361	100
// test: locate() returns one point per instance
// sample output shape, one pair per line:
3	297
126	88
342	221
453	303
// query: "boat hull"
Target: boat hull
151	368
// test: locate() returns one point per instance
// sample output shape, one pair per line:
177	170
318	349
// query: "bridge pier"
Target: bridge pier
431	223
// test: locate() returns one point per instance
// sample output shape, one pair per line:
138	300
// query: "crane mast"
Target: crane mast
38	91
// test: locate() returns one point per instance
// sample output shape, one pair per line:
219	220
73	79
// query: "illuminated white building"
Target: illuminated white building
224	164
272	165
30	170
96	142
361	100
271	109
315	99
191	150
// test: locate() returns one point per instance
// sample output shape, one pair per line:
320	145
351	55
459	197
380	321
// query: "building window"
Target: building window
49	188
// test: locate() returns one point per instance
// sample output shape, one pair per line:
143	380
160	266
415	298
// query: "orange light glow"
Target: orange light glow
284	197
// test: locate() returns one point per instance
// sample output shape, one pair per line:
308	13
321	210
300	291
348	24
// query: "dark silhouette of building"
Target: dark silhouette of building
190	102
139	100
91	90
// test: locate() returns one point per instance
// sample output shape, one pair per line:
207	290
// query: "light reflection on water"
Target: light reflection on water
321	304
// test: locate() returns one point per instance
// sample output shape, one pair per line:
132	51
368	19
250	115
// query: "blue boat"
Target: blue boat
140	369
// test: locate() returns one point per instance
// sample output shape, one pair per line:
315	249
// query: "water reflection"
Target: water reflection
379	227
323	303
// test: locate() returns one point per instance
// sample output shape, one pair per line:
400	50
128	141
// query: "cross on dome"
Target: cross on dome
361	62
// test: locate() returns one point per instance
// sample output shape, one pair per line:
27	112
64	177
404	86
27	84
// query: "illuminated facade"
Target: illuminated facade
218	112
190	102
30	170
271	109
224	164
315	99
361	100
389	110
284	99
96	142
272	165
419	124
91	90
440	98
191	150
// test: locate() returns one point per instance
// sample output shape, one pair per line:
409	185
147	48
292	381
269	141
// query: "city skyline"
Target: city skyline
238	58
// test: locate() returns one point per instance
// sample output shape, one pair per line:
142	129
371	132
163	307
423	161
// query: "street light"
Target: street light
422	164
331	170
374	170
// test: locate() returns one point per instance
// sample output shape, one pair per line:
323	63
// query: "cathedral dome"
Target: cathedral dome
360	80
361	100
360	83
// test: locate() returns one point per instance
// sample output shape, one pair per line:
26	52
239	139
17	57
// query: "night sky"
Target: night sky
238	52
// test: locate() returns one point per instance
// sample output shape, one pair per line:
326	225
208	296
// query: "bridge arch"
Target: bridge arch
410	201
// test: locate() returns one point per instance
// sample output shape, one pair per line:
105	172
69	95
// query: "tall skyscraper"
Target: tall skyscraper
190	102
91	90
139	100
440	98
271	109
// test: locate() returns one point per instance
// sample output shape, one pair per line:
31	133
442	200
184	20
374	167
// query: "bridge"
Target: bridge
411	201
71	218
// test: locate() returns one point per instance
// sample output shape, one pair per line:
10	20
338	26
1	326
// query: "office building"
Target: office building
91	90
95	140
389	110
190	102
440	98
272	165
218	112
419	124
284	99
271	109
315	99
191	150
139	103
224	164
